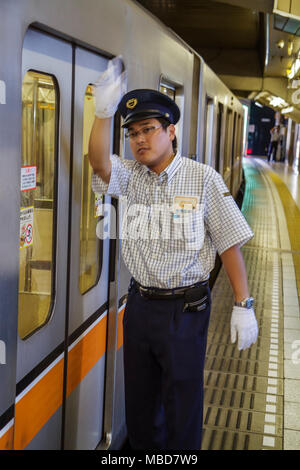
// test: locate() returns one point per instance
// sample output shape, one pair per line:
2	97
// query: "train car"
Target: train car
62	289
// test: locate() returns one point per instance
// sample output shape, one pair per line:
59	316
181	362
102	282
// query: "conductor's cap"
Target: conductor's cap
144	104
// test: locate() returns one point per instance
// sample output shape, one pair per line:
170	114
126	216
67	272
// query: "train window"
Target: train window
175	92
90	245
168	89
38	202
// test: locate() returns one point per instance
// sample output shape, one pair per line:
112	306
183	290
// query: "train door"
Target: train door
63	281
45	179
89	266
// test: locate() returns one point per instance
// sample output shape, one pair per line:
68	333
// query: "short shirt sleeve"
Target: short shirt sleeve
121	173
224	221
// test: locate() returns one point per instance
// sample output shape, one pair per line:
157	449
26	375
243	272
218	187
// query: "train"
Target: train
63	290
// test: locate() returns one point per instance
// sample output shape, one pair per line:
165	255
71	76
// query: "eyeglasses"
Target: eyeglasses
146	132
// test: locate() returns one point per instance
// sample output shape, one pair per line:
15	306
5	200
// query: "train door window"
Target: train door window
239	143
238	138
209	125
234	142
91	205
228	144
194	116
245	127
233	153
38	202
170	91
218	139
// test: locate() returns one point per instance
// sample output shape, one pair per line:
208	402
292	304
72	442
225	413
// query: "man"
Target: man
273	143
178	213
282	141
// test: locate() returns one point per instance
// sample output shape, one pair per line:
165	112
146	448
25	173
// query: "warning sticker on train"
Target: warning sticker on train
26	227
28	178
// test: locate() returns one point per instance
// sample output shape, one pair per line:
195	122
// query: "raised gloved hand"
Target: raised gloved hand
109	88
243	325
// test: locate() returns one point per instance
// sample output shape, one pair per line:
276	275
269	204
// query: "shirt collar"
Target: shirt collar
169	171
173	167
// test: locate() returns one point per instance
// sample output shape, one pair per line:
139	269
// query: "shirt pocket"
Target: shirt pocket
186	232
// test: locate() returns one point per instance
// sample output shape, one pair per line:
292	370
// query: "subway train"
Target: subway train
62	289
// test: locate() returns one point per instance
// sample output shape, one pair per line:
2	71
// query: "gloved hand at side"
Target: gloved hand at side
109	88
243	325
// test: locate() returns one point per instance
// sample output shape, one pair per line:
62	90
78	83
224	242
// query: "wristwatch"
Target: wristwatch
246	303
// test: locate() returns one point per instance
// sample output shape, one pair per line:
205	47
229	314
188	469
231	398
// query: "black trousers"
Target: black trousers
273	150
164	354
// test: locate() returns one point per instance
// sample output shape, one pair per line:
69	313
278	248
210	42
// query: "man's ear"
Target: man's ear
171	129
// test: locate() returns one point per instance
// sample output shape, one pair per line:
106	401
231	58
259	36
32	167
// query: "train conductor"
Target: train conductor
179	213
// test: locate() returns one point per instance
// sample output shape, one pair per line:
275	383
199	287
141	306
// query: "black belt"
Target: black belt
163	294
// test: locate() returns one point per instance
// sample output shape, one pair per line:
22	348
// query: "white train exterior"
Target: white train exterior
62	291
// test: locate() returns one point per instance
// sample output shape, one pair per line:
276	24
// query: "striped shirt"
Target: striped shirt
173	223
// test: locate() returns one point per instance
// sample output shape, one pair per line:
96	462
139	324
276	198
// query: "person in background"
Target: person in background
273	143
282	138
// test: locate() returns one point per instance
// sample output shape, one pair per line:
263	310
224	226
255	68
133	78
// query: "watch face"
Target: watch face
247	303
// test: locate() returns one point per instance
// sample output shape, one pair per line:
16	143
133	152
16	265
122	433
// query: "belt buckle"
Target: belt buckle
143	291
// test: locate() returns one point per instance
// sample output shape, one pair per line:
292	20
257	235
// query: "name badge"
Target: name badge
184	205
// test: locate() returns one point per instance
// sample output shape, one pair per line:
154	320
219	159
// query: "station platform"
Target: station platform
252	397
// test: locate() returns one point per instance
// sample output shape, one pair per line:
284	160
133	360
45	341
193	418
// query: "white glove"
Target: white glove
109	88
243	324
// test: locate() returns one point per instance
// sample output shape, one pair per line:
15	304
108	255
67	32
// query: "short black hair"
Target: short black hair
165	123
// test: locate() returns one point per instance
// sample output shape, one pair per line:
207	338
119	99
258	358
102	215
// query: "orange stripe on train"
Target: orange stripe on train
37	406
6	441
120	328
84	355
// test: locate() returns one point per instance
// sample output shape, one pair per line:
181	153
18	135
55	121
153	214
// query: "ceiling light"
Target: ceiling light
280	44
295	84
276	101
294	69
290	109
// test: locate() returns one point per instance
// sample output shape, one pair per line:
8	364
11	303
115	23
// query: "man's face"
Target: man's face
150	144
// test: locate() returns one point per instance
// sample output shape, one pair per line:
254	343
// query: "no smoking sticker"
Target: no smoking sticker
26	227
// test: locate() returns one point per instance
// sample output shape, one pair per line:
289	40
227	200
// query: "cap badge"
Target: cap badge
131	103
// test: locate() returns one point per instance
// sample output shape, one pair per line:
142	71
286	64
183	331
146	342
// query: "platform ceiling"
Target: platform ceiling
238	40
